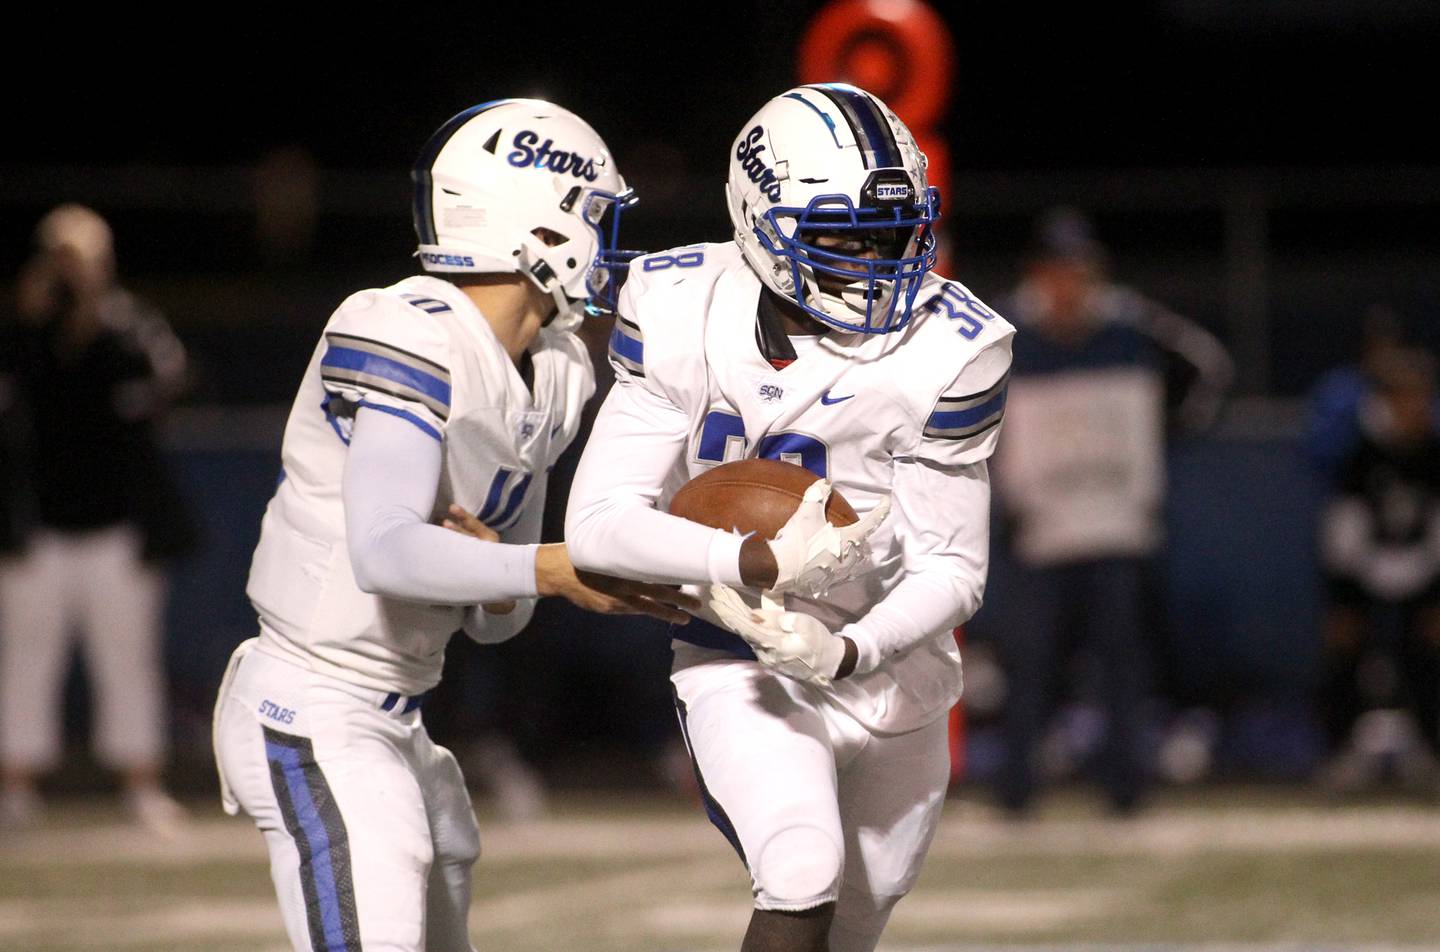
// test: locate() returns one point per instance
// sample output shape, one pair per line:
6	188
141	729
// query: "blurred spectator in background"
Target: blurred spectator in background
1380	548
89	514
1332	427
1100	375
287	205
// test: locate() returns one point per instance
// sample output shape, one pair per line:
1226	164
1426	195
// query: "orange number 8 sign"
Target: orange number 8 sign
899	50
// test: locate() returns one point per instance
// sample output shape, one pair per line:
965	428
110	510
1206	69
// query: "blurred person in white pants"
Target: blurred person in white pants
89	514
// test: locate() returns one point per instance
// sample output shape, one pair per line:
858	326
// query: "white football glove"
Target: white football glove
795	644
811	554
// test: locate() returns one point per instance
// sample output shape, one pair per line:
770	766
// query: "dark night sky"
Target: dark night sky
1176	83
1340	91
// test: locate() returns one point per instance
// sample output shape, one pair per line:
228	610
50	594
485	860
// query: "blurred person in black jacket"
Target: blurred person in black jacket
1101	375
88	513
1332	423
1380	549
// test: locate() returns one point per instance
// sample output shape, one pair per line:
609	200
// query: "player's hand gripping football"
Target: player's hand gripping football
795	644
810	553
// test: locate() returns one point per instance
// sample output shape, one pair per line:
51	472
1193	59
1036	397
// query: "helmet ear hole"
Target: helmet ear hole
549	236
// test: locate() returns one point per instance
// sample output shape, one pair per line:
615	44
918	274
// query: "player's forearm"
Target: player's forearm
485	628
633	540
391	475
401	558
611	525
914	612
942	519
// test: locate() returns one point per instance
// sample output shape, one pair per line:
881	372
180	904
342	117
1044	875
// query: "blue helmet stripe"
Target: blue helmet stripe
872	133
424	214
877	129
420	173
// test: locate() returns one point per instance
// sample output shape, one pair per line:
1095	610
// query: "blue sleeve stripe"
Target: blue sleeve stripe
346	365
425	428
969	400
961	424
626	351
348	380
958	418
400	355
347	358
624	330
427	304
964	434
627	347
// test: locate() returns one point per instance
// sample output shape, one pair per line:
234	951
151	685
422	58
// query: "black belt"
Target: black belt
705	635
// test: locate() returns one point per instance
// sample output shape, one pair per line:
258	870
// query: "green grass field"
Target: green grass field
1225	869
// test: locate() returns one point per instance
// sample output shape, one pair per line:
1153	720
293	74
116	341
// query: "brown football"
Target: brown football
753	495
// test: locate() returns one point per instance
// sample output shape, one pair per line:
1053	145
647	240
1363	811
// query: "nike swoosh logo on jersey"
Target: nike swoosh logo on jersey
829	401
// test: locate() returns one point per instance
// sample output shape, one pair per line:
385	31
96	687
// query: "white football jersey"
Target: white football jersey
850	408
421	350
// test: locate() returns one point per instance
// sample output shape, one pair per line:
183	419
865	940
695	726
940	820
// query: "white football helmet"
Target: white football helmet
830	163
523	186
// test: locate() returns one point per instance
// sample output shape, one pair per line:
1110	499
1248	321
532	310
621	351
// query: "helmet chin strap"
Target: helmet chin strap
854	297
568	313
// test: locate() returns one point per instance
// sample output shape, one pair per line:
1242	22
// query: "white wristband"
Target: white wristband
867	652
723	558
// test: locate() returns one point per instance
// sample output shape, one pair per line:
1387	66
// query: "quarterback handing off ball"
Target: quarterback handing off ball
753	495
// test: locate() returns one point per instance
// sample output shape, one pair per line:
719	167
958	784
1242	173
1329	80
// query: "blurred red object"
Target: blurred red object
901	51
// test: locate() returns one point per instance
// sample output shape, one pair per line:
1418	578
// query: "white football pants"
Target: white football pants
818	808
370	829
96	586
